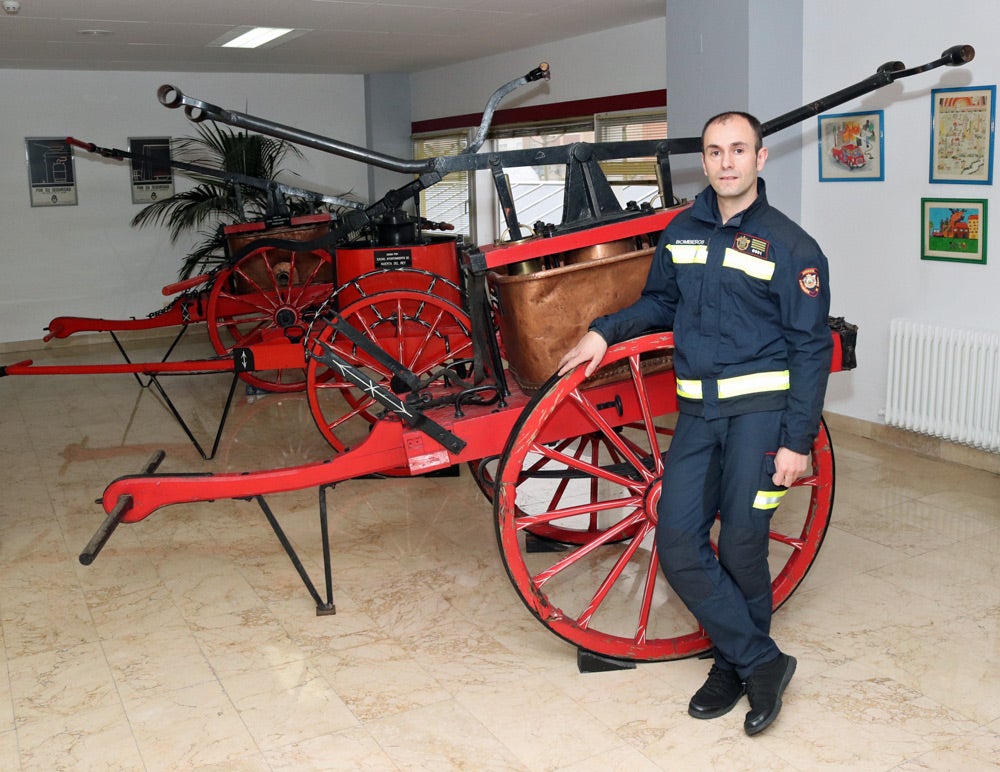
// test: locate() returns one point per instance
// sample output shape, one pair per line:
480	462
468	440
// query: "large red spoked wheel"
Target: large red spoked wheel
602	589
269	295
424	332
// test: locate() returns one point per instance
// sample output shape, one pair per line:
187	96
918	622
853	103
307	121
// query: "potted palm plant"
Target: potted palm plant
215	201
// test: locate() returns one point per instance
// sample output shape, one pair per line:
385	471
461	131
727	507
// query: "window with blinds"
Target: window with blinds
538	190
449	200
621	127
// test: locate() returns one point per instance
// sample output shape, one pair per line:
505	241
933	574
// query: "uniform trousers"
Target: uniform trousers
723	467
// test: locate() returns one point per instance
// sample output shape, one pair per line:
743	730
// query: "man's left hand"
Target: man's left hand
789	466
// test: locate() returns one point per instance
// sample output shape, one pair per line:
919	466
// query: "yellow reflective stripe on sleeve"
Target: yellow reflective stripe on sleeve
688	254
768	499
689	389
750	265
754	383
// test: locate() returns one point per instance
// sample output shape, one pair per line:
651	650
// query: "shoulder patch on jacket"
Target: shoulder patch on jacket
751	245
809	282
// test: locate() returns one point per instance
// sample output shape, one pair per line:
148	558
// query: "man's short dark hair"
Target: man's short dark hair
723	117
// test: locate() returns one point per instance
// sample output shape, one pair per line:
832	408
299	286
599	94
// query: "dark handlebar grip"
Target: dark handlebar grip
894	66
110	523
541	71
169	96
959	55
104	531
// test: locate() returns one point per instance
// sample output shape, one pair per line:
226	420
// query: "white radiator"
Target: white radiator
945	383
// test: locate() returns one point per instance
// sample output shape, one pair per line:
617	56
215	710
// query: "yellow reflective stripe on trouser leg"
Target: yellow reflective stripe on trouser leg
754	383
768	499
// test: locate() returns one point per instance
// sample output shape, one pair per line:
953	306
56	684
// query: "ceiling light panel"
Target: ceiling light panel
257	37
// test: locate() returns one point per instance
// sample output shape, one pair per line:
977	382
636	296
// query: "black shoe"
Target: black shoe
719	694
764	688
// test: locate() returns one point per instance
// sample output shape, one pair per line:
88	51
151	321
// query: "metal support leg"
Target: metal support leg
166	356
155	382
323	607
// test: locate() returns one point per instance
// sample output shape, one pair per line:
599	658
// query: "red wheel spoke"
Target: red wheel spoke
581	552
652	573
244	301
613	576
591	412
259	292
584	466
421	347
307	283
560	490
241	338
356	411
647	415
794	542
524	522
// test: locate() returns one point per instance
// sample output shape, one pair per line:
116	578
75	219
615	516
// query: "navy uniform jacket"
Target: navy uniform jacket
748	302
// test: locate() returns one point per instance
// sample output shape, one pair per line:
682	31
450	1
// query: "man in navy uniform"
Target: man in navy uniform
745	291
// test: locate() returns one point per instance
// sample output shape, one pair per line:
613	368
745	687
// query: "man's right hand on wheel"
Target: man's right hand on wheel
590	349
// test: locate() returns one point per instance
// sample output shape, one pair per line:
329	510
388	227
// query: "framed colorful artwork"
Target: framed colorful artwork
953	229
962	134
851	147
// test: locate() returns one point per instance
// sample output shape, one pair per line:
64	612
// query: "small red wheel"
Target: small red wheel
604	591
270	294
422	331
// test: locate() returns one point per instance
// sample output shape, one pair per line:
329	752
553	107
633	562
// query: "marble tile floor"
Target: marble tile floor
191	644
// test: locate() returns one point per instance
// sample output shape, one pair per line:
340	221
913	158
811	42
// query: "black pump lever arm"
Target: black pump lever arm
221	174
197	110
888	73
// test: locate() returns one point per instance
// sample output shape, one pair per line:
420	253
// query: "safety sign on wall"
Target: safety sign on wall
152	174
51	176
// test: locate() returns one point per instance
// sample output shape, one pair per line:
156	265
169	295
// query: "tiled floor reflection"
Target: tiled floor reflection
192	644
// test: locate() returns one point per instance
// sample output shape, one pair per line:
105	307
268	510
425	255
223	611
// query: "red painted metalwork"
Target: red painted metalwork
422	331
269	296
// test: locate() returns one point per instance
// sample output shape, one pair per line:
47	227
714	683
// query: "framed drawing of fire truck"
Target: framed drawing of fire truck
962	134
851	147
953	229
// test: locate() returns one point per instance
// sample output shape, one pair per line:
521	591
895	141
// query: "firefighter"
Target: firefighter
745	291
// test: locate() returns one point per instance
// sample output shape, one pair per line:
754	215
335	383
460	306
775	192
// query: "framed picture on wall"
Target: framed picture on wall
152	174
851	147
953	229
962	134
51	175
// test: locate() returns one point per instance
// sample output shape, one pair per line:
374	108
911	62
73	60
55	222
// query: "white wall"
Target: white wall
618	61
387	127
85	260
871	230
720	55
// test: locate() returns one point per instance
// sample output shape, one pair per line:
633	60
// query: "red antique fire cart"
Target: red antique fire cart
420	353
